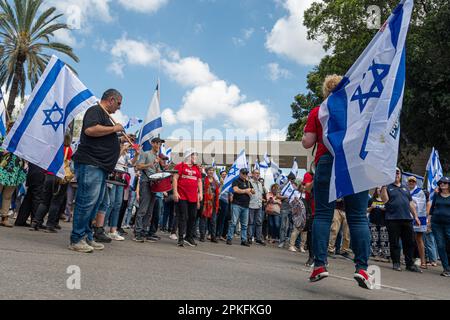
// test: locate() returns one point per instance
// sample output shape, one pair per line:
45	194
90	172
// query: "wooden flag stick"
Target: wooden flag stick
114	123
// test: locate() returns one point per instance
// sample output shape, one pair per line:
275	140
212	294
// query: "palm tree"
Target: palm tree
25	39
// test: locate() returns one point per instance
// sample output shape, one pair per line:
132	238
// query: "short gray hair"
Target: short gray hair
111	93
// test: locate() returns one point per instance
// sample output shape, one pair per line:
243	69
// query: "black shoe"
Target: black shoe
51	230
229	242
309	263
180	244
139	239
100	236
122	232
346	255
190	242
260	242
245	244
154	236
202	239
214	240
58	227
414	268
397	267
150	239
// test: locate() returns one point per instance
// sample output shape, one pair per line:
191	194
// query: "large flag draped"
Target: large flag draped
233	173
153	124
361	118
38	134
2	116
434	172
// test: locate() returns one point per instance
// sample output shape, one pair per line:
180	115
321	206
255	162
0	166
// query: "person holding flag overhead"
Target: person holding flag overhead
367	100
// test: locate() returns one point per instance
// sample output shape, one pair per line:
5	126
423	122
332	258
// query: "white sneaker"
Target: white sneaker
281	245
302	250
292	249
116	236
173	236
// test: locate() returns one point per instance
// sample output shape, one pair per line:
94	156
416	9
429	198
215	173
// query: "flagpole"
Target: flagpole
115	123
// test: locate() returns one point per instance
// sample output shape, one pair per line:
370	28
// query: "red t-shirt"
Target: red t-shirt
313	125
188	182
69	157
308	178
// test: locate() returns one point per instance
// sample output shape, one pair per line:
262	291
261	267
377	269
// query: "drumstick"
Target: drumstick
114	123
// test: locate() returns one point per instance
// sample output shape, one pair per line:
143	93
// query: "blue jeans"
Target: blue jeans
91	187
240	213
256	217
274	226
157	214
284	227
430	247
442	235
115	202
355	207
129	212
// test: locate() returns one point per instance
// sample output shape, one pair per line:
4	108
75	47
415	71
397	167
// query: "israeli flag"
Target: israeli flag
153	124
216	177
294	169
166	151
256	166
434	172
278	175
38	134
288	191
361	118
266	163
2	116
134	121
233	174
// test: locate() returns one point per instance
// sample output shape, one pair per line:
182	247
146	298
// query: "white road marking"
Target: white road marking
214	255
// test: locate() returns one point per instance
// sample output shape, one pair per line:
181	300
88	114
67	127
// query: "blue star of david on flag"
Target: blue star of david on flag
379	72
233	170
49	117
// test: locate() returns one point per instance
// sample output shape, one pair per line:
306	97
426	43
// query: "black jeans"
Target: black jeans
186	215
144	215
401	229
30	204
53	198
123	209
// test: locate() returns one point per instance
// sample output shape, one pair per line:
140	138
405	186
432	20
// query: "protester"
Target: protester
224	210
420	201
242	191
53	196
255	219
308	184
299	214
380	248
273	209
148	164
286	213
340	221
187	194
210	206
356	204
12	175
440	222
399	206
95	158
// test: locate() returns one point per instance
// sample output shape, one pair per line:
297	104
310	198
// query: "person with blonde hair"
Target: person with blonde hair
356	204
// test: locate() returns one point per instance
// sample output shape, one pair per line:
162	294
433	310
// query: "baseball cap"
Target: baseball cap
158	140
244	171
189	152
412	178
444	180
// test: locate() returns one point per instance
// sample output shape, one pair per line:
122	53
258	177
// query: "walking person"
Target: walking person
187	194
286	213
399	206
356	204
242	191
440	222
380	248
95	158
210	206
256	214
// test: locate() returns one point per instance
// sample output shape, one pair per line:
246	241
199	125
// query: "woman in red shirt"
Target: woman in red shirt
356	204
187	193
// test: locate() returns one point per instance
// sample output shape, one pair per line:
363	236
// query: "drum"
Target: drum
160	182
118	178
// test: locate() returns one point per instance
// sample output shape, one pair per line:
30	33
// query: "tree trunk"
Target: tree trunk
14	88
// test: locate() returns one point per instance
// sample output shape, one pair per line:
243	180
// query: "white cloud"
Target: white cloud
288	36
189	71
246	35
65	36
119	117
254	116
145	6
169	117
276	72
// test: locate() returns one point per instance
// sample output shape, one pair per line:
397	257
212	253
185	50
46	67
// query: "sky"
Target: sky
232	64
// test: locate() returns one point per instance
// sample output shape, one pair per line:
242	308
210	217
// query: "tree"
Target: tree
26	39
341	25
300	110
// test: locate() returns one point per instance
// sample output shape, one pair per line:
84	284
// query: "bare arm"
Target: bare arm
176	197
384	195
101	131
200	190
309	186
309	139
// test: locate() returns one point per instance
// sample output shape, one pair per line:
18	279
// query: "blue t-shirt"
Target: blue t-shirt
397	208
440	210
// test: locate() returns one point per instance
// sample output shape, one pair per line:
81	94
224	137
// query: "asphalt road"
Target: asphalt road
33	265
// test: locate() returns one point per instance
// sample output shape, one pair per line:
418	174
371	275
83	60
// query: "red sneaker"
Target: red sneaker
364	279
318	274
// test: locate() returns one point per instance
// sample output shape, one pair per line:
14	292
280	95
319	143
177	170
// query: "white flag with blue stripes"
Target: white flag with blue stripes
153	124
434	172
2	115
216	177
38	134
233	173
166	151
361	118
294	169
134	121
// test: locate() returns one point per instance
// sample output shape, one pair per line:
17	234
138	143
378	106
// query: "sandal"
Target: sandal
423	266
434	264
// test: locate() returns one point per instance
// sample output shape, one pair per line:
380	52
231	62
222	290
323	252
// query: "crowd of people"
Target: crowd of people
108	192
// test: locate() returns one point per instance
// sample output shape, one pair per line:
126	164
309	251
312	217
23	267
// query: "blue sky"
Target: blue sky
230	63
